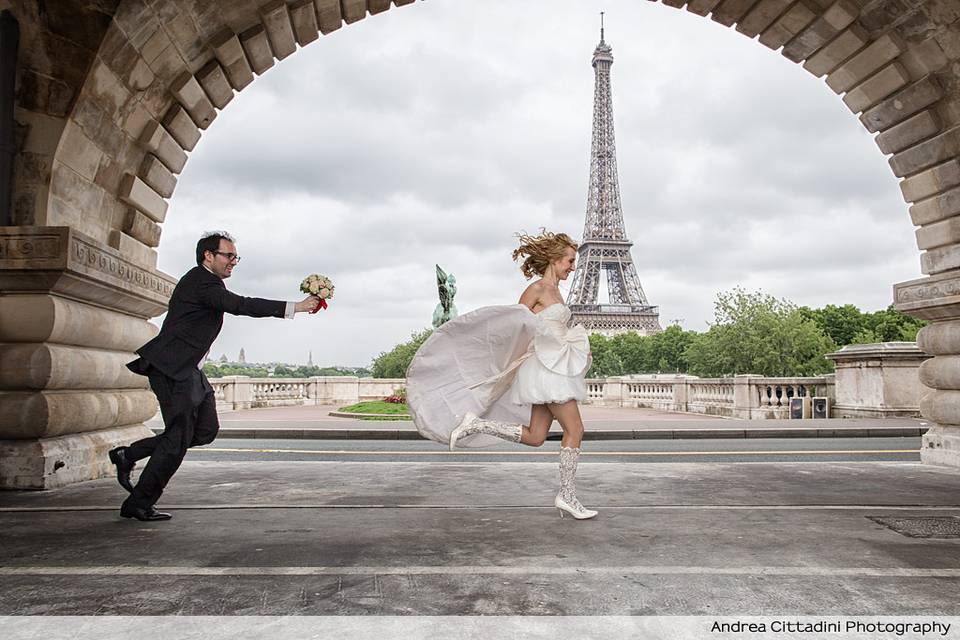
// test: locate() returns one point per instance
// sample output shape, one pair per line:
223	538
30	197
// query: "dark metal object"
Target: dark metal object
9	45
922	527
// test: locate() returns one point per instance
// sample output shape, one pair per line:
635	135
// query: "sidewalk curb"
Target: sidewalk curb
599	434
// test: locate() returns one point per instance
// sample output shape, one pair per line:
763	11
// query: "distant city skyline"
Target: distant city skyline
432	133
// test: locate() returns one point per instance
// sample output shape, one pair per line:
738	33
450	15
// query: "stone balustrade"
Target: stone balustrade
747	396
740	397
873	380
243	392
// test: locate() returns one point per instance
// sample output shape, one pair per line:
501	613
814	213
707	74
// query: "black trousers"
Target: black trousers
189	412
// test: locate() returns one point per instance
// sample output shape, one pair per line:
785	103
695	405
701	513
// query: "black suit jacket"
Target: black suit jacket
193	322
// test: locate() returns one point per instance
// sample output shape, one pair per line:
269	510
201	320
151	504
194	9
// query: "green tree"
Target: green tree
840	324
890	325
757	333
394	363
632	351
213	371
668	350
606	361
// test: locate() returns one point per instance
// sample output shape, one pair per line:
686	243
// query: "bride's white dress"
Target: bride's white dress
496	362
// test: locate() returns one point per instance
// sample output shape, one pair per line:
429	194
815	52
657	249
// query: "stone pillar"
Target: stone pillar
937	299
745	398
343	390
681	394
72	311
238	393
613	392
316	390
878	380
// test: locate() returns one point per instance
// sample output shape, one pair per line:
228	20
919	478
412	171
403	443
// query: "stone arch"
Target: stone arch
113	95
164	69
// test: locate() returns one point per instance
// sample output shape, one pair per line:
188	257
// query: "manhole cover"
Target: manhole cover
922	527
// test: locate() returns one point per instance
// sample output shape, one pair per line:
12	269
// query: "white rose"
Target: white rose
314	288
324	293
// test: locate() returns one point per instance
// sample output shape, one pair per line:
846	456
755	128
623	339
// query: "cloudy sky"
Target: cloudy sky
432	133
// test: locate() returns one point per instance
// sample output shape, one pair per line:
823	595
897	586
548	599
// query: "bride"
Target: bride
508	371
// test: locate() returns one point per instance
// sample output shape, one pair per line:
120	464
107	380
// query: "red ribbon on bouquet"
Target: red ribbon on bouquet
320	305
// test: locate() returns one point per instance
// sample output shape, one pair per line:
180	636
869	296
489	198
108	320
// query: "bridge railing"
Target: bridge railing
737	397
242	392
749	397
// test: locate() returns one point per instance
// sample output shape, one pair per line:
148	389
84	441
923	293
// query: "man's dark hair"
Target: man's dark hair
210	241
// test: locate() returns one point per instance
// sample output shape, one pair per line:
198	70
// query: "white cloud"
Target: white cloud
432	133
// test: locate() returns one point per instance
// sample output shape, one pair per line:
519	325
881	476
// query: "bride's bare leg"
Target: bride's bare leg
540	420
568	415
566	501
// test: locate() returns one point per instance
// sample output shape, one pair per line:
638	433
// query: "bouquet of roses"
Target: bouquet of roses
320	286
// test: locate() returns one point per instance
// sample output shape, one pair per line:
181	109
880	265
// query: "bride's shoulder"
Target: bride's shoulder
532	293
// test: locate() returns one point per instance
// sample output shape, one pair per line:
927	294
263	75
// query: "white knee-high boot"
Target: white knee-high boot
471	425
566	500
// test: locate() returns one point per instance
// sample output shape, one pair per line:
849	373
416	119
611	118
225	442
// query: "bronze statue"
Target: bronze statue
447	287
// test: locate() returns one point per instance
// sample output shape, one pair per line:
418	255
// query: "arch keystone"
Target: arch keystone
931	181
784	28
276	22
181	127
188	91
229	52
156	139
353	10
377	6
155	174
730	11
701	7
876	55
762	16
926	154
137	194
824	29
877	87
902	105
215	84
329	16
833	55
256	46
303	15
909	132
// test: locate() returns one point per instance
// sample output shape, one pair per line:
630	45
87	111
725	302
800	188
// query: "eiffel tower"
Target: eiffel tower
605	246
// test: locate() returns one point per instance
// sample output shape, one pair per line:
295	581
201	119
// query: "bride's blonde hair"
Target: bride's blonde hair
541	250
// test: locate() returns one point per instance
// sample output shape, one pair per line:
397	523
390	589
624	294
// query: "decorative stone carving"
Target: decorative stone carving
933	298
66	262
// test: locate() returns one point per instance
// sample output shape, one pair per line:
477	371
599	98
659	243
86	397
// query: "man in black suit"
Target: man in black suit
172	362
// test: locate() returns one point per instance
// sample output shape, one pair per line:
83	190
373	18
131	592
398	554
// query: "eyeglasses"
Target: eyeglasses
231	257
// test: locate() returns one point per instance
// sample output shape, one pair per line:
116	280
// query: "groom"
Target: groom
172	362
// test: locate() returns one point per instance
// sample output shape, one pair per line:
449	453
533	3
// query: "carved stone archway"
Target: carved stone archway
111	96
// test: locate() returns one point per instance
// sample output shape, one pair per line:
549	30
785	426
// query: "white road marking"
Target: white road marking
472	507
126	570
363	452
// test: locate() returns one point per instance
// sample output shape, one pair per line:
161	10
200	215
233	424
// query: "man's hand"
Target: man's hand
307	304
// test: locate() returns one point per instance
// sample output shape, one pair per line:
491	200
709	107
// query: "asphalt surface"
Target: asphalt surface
314	537
601	423
630	451
481	538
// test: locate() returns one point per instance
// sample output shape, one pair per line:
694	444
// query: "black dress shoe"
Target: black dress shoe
144	514
124	466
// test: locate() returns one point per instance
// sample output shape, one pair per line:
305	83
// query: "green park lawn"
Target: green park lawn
388	410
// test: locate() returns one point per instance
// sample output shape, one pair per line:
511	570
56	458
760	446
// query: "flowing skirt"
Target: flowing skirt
494	362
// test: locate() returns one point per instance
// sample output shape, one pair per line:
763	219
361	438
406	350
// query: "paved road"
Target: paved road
607	451
602	423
